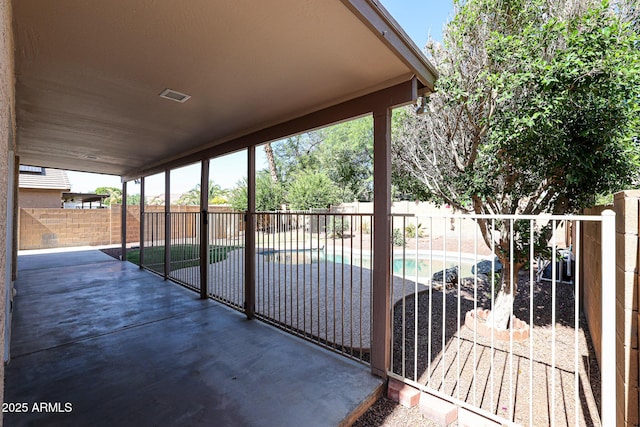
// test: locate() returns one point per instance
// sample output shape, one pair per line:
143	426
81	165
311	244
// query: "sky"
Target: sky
419	19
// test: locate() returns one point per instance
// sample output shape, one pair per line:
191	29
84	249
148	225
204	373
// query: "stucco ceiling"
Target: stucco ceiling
89	73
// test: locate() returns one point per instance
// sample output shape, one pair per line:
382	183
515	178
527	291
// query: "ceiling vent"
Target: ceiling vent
174	95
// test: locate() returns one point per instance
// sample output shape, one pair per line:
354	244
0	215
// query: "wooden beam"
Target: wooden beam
123	223
167	223
381	293
142	221
250	236
204	229
400	94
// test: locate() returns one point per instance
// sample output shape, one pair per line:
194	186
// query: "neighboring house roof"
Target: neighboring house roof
43	178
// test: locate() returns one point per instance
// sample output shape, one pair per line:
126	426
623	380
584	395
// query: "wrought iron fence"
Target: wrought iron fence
184	249
227	258
313	277
152	249
536	369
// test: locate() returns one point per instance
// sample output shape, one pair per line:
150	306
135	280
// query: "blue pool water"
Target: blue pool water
425	267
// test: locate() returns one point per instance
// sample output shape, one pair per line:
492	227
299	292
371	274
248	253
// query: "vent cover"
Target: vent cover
174	95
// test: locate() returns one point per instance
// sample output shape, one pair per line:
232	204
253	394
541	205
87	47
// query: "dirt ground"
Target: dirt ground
500	384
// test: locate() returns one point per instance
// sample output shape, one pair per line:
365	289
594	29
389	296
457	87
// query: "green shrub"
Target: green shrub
336	226
398	238
410	230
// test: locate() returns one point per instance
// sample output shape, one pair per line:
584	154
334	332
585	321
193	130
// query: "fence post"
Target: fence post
608	344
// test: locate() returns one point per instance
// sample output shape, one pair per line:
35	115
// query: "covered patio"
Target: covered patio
137	89
122	347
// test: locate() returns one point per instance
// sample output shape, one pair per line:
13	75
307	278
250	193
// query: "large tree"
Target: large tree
536	111
217	195
115	196
269	195
344	152
312	190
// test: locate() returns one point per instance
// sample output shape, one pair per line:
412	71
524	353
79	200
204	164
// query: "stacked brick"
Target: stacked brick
626	206
627	209
43	228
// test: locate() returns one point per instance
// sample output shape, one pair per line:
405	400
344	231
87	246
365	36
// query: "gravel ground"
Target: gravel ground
553	380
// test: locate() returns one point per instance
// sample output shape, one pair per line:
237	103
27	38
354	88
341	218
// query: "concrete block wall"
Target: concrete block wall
627	208
39	198
42	228
50	228
591	273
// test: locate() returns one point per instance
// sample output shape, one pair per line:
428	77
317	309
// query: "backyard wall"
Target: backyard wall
39	198
53	228
627	209
591	273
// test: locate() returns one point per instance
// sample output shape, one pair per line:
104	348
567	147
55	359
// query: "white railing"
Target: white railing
534	372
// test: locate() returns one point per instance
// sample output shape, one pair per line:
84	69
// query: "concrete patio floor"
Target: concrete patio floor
119	346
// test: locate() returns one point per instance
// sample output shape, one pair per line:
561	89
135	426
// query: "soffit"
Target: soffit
89	74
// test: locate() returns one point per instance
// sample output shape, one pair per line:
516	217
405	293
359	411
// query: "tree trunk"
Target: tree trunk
272	162
501	310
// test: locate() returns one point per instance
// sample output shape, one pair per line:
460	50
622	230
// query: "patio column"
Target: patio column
381	321
167	223
16	219
123	223
204	228
250	236
142	224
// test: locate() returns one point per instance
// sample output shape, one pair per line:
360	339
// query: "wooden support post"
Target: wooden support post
204	229
167	223
250	236
381	328
123	223
142	223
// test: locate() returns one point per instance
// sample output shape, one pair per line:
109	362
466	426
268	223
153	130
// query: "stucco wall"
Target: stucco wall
37	198
7	124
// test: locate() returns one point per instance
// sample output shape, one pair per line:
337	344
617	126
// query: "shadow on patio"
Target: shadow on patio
123	347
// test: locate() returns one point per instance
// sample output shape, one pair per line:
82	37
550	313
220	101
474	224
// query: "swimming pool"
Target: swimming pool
423	264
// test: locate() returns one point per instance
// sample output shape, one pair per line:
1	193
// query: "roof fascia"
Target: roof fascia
380	21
